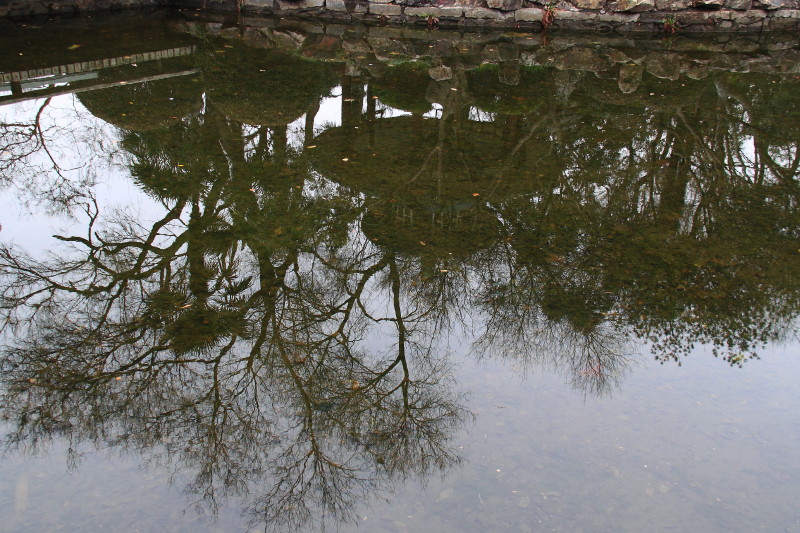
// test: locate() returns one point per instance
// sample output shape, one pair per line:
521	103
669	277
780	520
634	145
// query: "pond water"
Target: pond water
270	275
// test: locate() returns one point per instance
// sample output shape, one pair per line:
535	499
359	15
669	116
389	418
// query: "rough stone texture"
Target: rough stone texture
672	5
288	39
635	6
423	12
13	8
452	11
575	15
261	4
630	77
772	4
622	15
589	4
623	18
440	73
504	5
288	5
631	55
579	58
387	48
386	10
530	14
664	65
696	18
697	71
709	4
486	13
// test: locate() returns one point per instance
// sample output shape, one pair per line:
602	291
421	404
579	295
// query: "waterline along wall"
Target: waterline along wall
669	16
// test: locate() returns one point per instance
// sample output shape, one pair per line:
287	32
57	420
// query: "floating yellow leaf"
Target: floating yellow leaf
73	47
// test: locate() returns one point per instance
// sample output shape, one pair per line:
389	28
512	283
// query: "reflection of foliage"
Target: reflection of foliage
496	97
31	161
146	106
403	86
225	337
266	87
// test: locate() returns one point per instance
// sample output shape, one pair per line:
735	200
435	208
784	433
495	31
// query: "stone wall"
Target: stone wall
670	16
666	16
625	59
24	8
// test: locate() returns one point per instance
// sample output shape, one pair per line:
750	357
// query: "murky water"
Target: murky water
270	275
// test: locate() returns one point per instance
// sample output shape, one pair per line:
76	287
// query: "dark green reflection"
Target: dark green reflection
278	331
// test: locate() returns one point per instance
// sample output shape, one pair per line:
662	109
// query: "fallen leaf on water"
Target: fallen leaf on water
312	146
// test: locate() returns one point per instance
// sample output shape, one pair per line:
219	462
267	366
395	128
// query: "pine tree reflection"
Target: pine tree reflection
231	337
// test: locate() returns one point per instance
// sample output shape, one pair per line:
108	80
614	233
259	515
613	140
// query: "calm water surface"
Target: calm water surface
270	275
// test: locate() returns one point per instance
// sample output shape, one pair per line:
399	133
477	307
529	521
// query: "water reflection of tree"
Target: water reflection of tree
237	334
230	336
656	217
36	163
